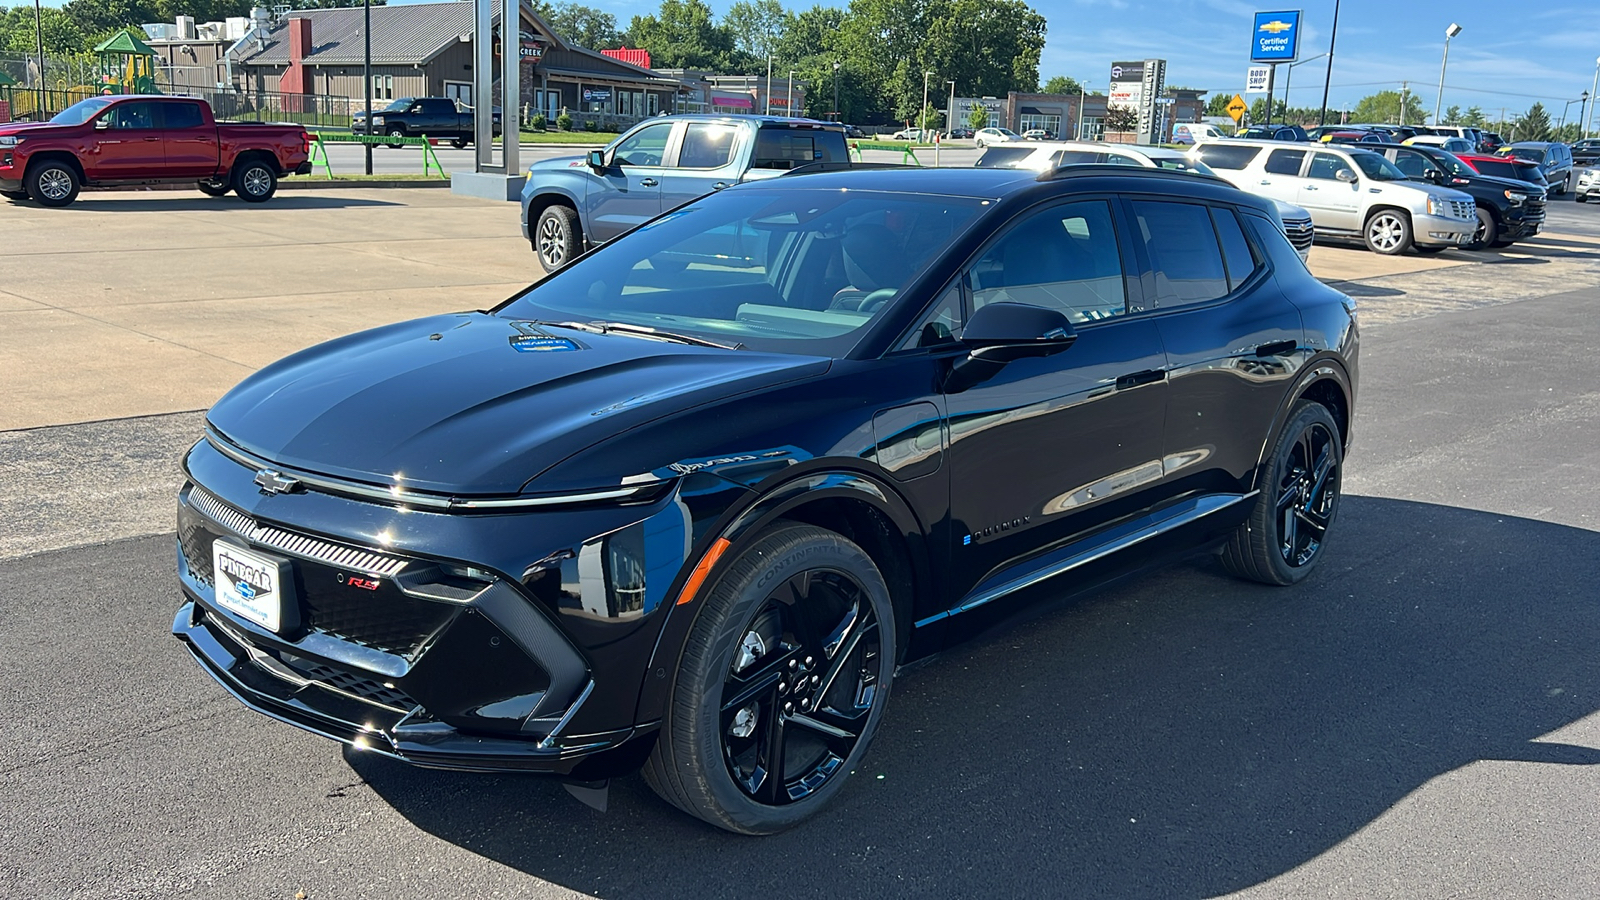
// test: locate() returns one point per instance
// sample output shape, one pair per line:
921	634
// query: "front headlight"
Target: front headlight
1437	207
10	140
1517	198
377	120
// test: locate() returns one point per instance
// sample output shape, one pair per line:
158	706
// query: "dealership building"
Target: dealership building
1058	113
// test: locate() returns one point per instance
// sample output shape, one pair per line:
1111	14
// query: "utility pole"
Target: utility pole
1327	79
788	95
769	85
38	35
1083	95
922	114
1405	88
1594	91
366	73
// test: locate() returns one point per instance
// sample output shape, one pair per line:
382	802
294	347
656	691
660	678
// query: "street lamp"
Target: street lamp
769	86
837	115
922	115
1327	77
788	94
38	33
1594	91
950	111
1438	102
1568	107
1083	94
1287	80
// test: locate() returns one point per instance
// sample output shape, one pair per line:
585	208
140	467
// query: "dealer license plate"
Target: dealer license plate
248	584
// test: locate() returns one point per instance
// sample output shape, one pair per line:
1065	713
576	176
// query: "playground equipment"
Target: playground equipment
127	65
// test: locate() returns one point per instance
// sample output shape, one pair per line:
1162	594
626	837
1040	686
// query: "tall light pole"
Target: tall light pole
1083	96
38	35
922	115
769	85
1568	108
1327	78
1594	91
1289	77
788	95
366	74
838	116
1438	102
950	111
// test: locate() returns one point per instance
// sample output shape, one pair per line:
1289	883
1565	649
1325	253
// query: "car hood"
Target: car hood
475	404
561	162
34	129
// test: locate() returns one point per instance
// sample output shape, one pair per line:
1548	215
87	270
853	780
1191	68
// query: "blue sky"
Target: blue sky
1507	55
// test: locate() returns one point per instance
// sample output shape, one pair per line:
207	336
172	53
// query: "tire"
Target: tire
1288	528
214	188
557	236
771	617
1488	231
1388	231
459	143
395	132
1582	198
52	183
255	180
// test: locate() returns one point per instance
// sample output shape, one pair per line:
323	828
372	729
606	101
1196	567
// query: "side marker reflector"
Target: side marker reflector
698	576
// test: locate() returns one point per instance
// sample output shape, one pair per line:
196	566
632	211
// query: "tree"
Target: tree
62	36
978	118
1534	125
1475	118
582	25
757	26
1218	104
1062	84
1452	116
1258	111
1384	107
1121	119
682	35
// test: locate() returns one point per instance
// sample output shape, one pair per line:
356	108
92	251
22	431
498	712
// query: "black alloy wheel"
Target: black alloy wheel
782	685
1288	528
214	188
1488	231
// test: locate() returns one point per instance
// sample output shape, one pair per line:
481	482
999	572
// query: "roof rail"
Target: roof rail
843	166
1085	170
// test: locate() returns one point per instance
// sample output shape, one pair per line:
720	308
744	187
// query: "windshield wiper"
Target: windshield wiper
643	331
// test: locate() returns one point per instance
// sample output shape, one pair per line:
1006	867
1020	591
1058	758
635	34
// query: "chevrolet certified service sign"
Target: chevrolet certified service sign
1276	37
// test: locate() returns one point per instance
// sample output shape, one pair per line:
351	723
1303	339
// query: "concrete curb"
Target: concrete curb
286	184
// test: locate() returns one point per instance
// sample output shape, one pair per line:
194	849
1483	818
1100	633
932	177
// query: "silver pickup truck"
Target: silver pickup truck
572	203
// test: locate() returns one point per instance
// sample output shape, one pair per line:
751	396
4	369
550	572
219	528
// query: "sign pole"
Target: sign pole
1327	78
1272	75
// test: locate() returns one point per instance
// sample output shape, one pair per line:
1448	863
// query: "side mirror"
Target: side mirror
597	160
102	124
1004	332
1436	176
1348	176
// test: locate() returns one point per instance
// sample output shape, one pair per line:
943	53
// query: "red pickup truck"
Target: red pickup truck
146	140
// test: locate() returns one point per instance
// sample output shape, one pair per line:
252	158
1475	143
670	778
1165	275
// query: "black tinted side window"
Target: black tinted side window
182	115
1285	162
1063	258
788	148
1236	252
1184	255
1224	156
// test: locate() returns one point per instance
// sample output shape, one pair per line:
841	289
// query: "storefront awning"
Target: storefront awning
1033	111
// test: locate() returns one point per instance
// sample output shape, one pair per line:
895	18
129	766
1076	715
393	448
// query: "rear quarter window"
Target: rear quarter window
789	148
182	115
1226	156
1003	157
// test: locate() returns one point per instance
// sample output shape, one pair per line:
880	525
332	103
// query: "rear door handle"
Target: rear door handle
1311	187
1266	181
1277	348
649	182
1148	376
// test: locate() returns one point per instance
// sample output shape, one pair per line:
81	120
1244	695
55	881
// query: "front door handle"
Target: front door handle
152	139
1266	181
1148	376
1311	187
719	185
648	182
1277	348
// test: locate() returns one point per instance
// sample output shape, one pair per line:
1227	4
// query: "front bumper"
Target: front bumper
1438	231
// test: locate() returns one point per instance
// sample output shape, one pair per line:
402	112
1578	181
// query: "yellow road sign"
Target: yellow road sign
1237	109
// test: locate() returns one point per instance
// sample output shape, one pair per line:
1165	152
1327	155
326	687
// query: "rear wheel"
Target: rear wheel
1284	537
781	686
1388	232
52	183
255	181
458	143
214	188
557	237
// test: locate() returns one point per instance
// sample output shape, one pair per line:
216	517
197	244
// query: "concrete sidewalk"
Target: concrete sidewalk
130	304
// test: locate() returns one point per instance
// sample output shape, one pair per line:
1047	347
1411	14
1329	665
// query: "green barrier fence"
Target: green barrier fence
905	151
319	153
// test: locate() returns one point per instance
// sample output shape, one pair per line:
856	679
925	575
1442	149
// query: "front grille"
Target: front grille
384	619
359	686
1300	232
1535	211
1464	209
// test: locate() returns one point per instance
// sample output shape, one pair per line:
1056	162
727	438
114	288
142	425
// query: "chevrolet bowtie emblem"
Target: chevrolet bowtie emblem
272	482
1275	26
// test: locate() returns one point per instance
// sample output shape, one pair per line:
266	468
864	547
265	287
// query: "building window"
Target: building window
1094	129
383	87
1052	124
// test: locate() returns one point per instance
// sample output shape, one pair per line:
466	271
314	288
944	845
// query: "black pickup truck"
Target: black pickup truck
435	117
1508	211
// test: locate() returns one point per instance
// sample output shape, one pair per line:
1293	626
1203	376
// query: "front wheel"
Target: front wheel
214	188
1299	499
458	143
1388	232
1488	231
397	132
557	237
781	685
1582	198
52	183
255	181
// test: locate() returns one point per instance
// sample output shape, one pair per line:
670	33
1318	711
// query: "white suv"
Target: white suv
1042	155
1351	193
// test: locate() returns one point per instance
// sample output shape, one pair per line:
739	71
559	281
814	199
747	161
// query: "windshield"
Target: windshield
1377	168
784	269
402	103
1532	154
1007	131
80	112
1181	164
1452	165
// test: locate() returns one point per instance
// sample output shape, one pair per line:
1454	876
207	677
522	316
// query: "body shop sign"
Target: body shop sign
596	95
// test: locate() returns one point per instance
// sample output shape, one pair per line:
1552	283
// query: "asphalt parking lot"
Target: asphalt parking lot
1421	718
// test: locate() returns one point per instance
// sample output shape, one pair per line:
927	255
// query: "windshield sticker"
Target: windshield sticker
532	344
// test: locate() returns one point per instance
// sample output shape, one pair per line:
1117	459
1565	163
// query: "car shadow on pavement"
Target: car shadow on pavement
1180	735
201	203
